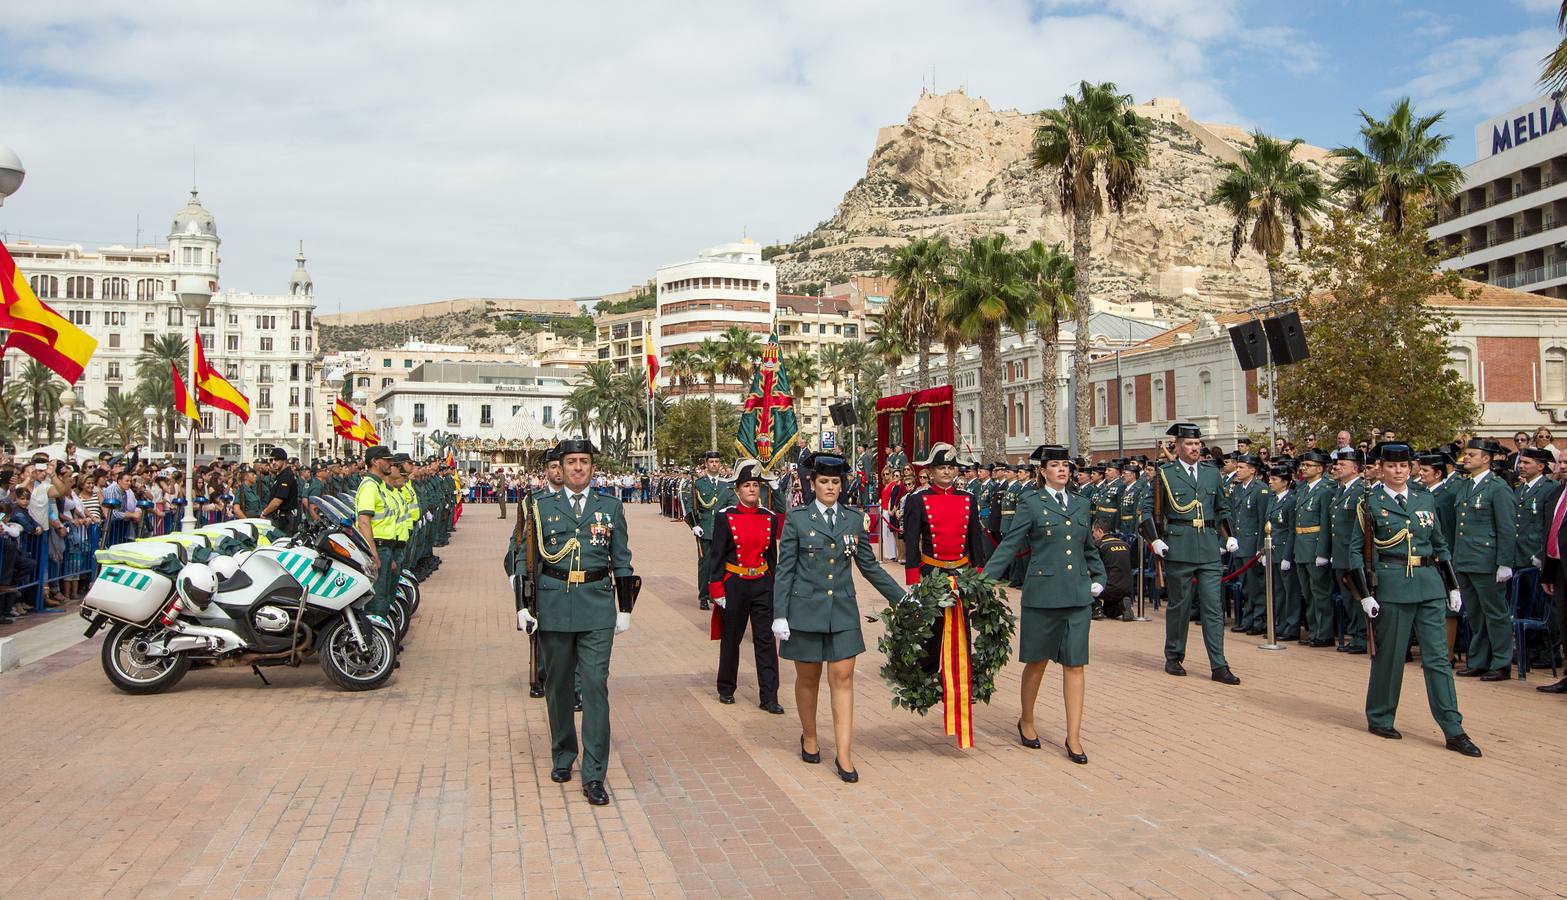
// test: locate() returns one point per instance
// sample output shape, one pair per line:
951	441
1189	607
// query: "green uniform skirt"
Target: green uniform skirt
1057	634
820	646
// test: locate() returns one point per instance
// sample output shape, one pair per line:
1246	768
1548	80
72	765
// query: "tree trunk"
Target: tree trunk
1048	374
712	415
923	373
1082	246
992	415
1273	277
952	380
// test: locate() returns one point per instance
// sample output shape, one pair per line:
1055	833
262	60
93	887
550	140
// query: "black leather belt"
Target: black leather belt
576	576
1406	561
388	542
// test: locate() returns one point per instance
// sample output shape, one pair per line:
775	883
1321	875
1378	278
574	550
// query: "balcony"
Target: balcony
1532	276
1517	191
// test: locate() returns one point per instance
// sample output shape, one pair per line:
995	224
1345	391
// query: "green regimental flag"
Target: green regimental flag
767	427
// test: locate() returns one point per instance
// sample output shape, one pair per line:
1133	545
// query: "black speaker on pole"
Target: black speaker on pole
843	414
1251	347
1286	339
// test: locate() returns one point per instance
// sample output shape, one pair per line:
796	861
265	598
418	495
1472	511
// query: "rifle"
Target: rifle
1368	564
528	587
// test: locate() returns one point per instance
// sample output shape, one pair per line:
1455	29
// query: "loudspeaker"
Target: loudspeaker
843	414
1286	339
1251	347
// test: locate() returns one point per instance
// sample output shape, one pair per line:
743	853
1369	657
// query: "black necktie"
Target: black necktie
1401	503
576	505
831	519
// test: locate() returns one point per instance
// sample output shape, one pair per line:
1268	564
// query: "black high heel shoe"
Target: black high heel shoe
1030	744
1079	758
850	777
812	758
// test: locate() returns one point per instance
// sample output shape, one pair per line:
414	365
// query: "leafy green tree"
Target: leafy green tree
804	372
152	373
1265	191
1093	137
1050	283
121	421
1399	166
710	366
890	348
1379	349
33	395
985	294
919	269
681	429
1553	75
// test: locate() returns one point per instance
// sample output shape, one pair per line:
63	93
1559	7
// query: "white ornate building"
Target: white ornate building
728	285
265	344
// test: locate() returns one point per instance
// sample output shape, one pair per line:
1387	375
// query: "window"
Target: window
266	345
293	371
209	318
176	317
114	340
307	318
364	381
971	429
78	287
231	371
232	343
147	289
852	331
1101	406
309	396
206	422
484	415
1555	373
307	344
114	370
1205	391
79	316
233	318
116	289
293	423
264	373
207	340
146	340
293	344
114	390
386	362
1158	399
387	382
549	417
418	413
293	396
451	414
1129	401
805	327
294	319
45	286
114	317
266	323
515	408
264	398
408	364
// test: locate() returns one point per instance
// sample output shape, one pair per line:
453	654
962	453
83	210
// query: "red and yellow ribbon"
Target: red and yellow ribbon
957	694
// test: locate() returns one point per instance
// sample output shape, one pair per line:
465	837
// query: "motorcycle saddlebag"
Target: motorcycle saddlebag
127	594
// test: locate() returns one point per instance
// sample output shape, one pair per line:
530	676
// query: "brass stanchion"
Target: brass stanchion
1267	577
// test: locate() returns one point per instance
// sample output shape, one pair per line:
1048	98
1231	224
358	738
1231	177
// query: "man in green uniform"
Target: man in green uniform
896	460
1407	577
1536	496
1312	551
1107	505
378	518
250	495
1341	516
1485	537
1248	514
1185	524
581	539
1281	521
709	494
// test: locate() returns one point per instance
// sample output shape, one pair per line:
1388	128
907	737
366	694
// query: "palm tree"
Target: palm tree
596	382
918	271
1050	280
1093	137
682	364
710	367
890	347
1265	190
830	358
804	373
1400	167
741	348
158	393
577	412
984	294
121	420
152	368
35	391
1553	76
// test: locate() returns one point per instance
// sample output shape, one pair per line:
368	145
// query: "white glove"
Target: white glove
513	580
622	622
526	621
696	530
1095	589
1159	548
1284	565
719	602
1320	561
1455	600
1371	606
1534	561
781	629
1503	573
1231	545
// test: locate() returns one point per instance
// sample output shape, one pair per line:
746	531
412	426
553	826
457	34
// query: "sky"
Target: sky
500	149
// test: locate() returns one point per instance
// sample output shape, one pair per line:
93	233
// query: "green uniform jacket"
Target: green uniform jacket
1400	532
1341	518
1201	500
1446	515
1126	520
1107	505
1063	559
814	588
1248	513
1535	504
1485	531
600	536
1281	513
708	496
1312	521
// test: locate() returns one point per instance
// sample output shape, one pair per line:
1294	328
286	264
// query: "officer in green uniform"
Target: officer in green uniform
1064	575
1185	515
581	538
1312	510
1536	498
1131	489
1281	524
1248	514
1485	537
1107	505
408	499
1408	560
378	522
1021	485
817	618
1341	514
709	494
896	461
249	495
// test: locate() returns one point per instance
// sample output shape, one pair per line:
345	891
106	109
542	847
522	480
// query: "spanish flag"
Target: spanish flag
652	366
183	404
344	419
214	390
366	432
38	330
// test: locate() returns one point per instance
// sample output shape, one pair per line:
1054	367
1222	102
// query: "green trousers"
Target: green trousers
1184	581
1393	627
385	582
1354	616
585	653
1490	622
1316	596
1286	601
703	559
1254	594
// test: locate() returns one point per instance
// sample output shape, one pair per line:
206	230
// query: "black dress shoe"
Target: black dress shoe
1390	733
1223	675
1559	687
849	776
812	758
1174	667
1322	643
772	706
1286	638
594	791
1470	672
560	776
535	691
1079	758
1355	651
1030	743
1256	631
1460	743
1238	629
1497	675
704	605
726	699
577	707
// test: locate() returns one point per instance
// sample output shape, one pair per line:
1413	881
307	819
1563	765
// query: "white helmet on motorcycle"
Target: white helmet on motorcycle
196	585
223	567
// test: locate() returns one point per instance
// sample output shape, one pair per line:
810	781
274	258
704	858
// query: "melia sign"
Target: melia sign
1519	126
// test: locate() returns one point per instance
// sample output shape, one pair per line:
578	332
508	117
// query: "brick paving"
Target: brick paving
438	785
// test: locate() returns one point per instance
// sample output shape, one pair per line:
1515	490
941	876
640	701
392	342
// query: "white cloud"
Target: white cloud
1476	78
426	151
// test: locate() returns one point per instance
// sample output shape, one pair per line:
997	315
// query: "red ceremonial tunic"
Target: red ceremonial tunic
745	546
942	530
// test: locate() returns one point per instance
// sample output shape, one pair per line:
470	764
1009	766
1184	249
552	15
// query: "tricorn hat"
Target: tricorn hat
710	454
1485	445
1538	454
942	454
1050	453
1393	451
1353	454
1184	430
822	463
748	470
552	455
1250	459
1315	456
575	445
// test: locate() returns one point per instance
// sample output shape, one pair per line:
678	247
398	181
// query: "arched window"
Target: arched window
1555	374
229	451
44	286
1129	401
1101	406
148	288
970	429
1158	404
116	289
78	287
1205	392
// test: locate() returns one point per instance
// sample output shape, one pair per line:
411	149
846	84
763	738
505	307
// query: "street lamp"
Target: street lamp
148	413
11	172
67	400
397	424
194	292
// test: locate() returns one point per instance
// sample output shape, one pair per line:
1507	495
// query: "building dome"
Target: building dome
300	284
193	219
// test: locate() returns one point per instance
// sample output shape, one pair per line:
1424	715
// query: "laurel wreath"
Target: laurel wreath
910	622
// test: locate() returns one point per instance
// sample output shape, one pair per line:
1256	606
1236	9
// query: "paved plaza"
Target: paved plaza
438	785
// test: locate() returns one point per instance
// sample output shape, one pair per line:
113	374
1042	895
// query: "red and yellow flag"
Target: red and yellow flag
36	329
345	420
365	429
183	404
214	390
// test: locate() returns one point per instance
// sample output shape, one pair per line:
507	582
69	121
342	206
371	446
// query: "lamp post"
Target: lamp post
380	419
360	398
194	292
67	400
397	424
148	413
12	172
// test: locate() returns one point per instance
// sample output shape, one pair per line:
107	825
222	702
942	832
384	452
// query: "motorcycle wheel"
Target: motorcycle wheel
134	673
399	616
351	668
410	592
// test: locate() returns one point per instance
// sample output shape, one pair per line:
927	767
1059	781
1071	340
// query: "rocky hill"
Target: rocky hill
958	168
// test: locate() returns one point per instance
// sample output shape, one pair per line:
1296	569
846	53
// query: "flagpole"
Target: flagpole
194	294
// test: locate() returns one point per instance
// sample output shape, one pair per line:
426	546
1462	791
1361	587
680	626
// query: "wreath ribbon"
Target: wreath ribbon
957	696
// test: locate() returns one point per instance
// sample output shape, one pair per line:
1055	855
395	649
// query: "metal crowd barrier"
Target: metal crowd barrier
76	561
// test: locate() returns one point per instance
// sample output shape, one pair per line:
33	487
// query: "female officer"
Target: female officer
818	620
